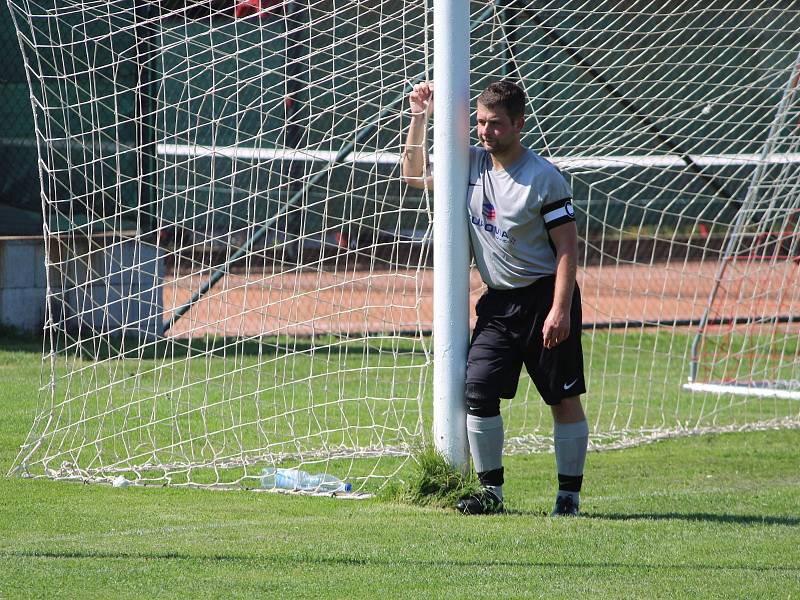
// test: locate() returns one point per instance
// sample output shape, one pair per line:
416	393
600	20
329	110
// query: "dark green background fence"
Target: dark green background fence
135	86
20	193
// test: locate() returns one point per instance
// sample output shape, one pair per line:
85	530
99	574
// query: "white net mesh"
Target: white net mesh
238	278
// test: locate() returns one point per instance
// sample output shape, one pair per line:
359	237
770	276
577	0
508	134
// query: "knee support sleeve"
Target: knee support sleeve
481	401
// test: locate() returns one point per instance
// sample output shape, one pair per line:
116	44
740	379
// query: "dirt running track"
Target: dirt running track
354	302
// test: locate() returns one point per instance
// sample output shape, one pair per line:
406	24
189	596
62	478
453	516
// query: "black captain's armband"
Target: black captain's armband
558	212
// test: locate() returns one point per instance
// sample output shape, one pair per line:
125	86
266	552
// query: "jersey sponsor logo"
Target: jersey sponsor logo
489	213
499	234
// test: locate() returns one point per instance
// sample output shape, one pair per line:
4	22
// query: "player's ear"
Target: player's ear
519	124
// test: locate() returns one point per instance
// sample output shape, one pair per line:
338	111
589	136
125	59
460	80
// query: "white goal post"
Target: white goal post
450	241
238	278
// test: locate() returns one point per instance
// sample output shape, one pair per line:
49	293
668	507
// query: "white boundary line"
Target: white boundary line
741	390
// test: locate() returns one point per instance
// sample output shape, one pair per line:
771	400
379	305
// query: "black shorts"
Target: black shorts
509	333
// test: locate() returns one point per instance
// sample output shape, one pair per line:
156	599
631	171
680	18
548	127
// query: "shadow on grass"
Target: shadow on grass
12	340
698	517
315	559
106	346
669	516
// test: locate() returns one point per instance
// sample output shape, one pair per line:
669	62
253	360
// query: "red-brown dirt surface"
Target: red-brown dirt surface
305	302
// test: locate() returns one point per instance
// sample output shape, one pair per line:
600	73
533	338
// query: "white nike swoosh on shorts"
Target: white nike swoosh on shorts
569	385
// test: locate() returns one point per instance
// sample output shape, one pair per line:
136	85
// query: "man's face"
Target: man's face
497	132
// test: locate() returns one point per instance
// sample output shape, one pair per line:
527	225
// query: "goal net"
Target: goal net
238	278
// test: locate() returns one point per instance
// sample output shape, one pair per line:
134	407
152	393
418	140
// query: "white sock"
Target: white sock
485	435
571	441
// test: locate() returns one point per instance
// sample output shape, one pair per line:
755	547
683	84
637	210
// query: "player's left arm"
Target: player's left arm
557	324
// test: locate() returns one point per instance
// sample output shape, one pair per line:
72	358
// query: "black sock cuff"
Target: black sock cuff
493	477
570	483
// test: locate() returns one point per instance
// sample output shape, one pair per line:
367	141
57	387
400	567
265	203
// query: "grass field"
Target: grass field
703	517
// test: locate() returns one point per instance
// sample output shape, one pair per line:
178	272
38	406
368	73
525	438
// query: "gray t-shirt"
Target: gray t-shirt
510	212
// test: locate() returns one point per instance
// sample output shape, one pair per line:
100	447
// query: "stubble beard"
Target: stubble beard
497	148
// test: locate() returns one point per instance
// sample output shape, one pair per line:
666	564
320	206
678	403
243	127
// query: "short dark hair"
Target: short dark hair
505	94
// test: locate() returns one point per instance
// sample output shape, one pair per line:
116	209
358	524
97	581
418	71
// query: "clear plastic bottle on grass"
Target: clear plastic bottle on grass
295	479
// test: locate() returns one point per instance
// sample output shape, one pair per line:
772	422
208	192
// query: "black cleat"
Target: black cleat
484	502
565	507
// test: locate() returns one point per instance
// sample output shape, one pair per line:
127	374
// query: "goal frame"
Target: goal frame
762	389
450	235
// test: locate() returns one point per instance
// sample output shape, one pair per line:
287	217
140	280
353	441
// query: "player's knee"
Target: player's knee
568	410
482	401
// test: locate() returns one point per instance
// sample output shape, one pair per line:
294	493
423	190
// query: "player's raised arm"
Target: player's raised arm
416	171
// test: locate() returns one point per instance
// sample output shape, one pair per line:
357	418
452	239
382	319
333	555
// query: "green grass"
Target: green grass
703	517
431	481
223	400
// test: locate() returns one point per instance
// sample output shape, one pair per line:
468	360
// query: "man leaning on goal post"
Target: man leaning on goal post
524	242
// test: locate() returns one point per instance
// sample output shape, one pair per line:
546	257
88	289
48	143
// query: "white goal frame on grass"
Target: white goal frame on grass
238	279
743	386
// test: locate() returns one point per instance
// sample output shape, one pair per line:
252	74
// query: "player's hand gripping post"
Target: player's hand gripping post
416	172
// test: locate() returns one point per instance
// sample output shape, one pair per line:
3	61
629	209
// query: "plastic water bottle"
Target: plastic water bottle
295	479
120	482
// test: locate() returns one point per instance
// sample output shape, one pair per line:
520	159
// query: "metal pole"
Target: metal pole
450	242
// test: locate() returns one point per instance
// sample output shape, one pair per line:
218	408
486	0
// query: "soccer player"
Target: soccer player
525	244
